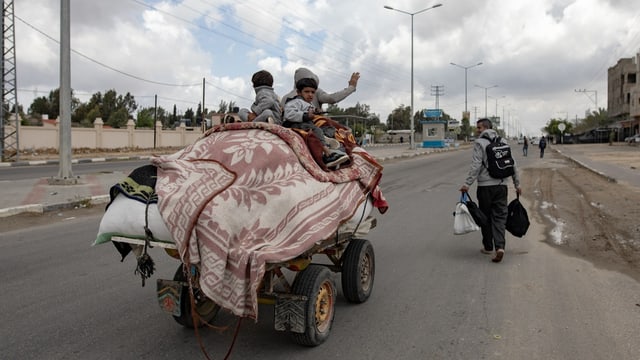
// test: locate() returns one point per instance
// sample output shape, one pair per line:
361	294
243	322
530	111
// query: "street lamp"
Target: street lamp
465	80
485	96
411	140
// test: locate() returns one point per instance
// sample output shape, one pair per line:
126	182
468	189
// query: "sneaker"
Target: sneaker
485	251
270	120
335	159
332	143
499	255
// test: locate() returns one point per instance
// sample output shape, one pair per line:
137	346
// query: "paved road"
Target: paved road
435	295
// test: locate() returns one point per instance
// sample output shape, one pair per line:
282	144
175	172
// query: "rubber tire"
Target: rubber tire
316	283
206	308
358	271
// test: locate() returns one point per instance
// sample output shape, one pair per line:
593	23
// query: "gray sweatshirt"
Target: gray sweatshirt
295	109
478	169
266	99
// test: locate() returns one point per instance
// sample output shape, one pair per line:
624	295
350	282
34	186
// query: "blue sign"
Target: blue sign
433	113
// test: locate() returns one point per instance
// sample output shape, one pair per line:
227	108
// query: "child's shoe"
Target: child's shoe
334	159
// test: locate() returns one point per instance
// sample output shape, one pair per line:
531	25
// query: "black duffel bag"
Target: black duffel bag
517	218
478	216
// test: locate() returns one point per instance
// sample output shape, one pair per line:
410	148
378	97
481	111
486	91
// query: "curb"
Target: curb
73	161
41	209
583	165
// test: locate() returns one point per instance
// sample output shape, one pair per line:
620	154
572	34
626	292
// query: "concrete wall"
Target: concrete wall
98	137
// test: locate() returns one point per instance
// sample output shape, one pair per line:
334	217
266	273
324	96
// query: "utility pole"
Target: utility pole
65	176
586	92
9	123
437	91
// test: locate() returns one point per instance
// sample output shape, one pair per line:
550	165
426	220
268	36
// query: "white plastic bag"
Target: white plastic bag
463	221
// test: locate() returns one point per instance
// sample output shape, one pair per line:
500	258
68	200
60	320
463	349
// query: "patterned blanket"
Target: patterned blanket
248	194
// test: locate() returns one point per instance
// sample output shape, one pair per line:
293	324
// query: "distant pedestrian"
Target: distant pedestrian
542	144
492	193
525	146
401	139
612	136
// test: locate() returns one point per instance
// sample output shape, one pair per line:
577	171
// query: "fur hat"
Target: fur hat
262	78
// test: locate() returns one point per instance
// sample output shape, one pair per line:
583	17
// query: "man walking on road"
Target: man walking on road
542	144
492	193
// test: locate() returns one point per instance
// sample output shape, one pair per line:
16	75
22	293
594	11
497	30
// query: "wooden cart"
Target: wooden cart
305	307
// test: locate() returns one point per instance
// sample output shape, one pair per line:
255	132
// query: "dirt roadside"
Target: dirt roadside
586	215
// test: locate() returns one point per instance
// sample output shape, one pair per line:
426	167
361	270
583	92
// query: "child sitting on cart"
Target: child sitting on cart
299	115
266	107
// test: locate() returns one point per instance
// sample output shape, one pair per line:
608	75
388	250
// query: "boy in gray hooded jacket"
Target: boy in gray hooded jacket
266	107
321	97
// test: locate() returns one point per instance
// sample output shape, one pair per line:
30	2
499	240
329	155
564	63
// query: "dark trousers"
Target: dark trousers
541	152
307	126
492	200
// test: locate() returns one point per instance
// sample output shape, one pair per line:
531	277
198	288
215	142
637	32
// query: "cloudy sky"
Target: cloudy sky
535	53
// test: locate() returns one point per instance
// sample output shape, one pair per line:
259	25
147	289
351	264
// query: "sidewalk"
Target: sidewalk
617	163
37	196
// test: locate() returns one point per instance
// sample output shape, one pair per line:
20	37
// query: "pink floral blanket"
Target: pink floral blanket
248	194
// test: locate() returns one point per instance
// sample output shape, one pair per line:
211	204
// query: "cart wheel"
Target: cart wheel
316	284
358	271
205	307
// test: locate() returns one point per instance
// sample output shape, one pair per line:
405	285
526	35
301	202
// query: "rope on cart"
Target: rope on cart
146	266
355	230
196	317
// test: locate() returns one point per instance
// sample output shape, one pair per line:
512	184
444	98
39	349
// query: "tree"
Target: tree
51	105
145	118
118	118
222	107
189	114
399	118
552	127
465	128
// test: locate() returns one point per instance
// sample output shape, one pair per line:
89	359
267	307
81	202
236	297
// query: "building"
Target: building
623	96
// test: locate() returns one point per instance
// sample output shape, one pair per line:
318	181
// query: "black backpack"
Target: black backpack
500	163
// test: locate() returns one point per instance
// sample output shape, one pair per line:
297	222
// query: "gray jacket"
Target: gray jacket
295	109
478	168
322	97
267	99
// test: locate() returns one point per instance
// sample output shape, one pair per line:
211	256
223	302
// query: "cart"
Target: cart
303	307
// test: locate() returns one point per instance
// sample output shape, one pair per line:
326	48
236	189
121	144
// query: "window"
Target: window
631	78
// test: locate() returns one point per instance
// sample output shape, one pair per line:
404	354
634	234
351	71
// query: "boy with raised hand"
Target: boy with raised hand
299	113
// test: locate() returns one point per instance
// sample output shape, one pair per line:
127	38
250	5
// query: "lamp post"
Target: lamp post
485	96
411	120
465	80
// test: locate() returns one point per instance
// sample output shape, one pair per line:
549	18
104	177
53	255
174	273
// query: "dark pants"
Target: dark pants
492	200
541	152
307	126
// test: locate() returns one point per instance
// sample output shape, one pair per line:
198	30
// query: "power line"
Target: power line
105	65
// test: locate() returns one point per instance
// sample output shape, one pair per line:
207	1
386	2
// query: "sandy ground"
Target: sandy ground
584	214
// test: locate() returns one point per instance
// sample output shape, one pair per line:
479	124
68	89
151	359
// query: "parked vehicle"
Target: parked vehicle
632	139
